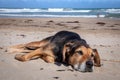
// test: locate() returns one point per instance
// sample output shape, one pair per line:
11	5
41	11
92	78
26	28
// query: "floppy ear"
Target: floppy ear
96	58
66	51
69	49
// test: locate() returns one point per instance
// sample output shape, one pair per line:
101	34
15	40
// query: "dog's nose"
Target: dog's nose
89	64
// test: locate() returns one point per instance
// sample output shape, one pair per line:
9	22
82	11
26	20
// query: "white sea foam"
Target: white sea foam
21	10
113	10
55	9
66	10
44	15
41	10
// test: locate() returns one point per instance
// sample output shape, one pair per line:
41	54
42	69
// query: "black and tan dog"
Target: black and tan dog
65	47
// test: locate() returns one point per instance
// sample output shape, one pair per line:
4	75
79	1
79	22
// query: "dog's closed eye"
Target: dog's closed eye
79	52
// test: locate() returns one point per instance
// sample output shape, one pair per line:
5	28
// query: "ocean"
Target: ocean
59	12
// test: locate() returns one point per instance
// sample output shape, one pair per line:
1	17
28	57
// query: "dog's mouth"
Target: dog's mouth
84	67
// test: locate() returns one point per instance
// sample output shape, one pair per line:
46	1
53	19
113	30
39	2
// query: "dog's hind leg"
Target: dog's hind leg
28	56
37	44
17	48
25	48
45	55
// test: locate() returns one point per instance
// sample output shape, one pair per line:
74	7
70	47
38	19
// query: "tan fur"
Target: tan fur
76	58
41	49
46	55
17	48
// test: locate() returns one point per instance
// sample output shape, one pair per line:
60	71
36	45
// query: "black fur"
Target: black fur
63	37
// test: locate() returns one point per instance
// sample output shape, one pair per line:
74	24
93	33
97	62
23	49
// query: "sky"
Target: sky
59	3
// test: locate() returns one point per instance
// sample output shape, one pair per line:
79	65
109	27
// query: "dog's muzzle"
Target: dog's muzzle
84	67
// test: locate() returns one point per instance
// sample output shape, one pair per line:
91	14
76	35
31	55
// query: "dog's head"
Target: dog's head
80	56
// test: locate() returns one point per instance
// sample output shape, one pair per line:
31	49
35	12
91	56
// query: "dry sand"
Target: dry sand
100	33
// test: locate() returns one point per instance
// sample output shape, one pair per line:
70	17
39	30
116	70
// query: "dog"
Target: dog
64	47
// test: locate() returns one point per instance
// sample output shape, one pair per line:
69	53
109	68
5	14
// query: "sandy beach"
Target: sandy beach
100	33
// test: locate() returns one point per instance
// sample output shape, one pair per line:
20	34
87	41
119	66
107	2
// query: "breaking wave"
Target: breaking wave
59	12
42	10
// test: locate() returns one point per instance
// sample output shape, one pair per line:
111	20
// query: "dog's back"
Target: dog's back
62	37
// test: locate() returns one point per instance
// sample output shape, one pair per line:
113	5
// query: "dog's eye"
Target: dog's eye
79	52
